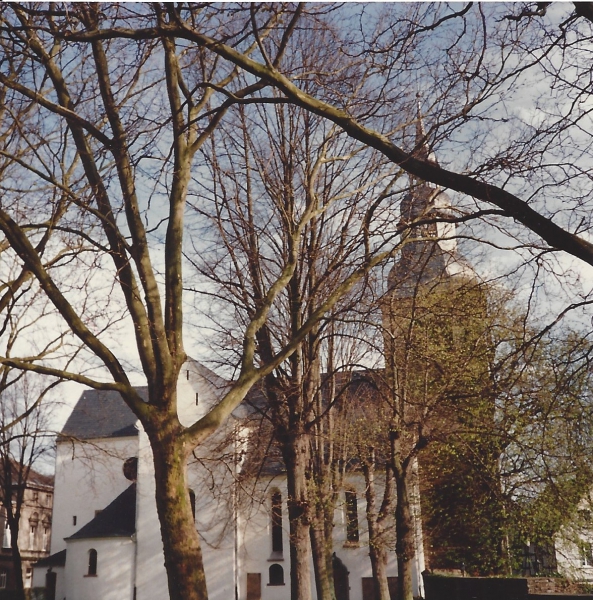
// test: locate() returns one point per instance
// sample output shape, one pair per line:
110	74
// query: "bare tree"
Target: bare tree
24	440
133	131
543	430
282	168
471	81
129	97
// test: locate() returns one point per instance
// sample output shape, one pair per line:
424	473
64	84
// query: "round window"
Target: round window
131	468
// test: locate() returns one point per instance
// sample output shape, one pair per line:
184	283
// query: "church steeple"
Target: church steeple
430	250
422	151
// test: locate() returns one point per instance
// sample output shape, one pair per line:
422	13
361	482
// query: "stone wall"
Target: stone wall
438	587
553	585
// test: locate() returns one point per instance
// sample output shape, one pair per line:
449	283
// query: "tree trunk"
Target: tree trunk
378	558
377	552
324	580
17	563
296	458
183	555
404	528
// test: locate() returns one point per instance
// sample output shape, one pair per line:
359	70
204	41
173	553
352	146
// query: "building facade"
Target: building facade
35	528
106	542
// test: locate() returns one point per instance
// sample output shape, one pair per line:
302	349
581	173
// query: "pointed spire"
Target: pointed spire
422	150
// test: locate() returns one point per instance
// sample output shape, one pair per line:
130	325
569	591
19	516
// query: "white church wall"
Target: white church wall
114	573
212	521
255	540
197	390
88	477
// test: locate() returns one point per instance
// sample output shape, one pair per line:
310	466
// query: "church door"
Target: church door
50	585
341	579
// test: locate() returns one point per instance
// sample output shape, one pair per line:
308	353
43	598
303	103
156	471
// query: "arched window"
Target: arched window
33	522
351	517
192	501
277	522
46	526
7	540
276	575
92	562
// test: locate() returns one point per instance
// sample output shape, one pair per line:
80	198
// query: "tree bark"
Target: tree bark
377	552
322	564
296	458
181	544
378	558
17	563
404	528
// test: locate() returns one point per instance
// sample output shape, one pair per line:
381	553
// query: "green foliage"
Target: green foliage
545	426
441	356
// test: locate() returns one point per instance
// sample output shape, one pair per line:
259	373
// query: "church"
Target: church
106	539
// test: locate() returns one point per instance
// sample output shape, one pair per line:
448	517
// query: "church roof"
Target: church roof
350	388
55	560
102	414
118	519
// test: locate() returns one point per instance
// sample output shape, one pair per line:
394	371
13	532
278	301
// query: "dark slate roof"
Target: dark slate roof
263	455
100	414
37	479
55	560
31	480
118	519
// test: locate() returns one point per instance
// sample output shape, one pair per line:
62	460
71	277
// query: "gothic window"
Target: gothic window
46	532
351	517
276	575
277	522
7	535
32	534
92	571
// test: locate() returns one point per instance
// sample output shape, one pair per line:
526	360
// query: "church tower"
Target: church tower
437	357
430	248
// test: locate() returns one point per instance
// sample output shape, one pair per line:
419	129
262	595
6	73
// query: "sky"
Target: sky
528	101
